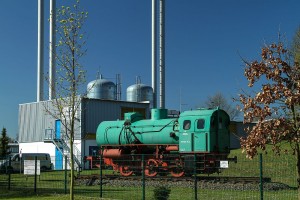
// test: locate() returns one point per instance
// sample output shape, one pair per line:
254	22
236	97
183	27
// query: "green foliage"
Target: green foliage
4	143
161	193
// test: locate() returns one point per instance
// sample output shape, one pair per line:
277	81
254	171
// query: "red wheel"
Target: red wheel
125	171
177	170
151	168
163	169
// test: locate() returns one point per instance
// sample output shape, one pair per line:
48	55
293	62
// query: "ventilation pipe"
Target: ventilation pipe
162	52
52	50
40	52
154	56
118	85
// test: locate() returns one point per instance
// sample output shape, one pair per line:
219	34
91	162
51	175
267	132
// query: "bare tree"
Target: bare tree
295	46
70	75
274	106
219	100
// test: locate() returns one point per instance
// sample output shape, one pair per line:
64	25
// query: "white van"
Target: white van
18	159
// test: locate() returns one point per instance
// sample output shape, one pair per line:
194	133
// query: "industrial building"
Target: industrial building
41	132
237	131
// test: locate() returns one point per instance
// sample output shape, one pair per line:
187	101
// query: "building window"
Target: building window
93	150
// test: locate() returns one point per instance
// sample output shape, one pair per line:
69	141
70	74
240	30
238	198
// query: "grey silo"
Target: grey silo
101	89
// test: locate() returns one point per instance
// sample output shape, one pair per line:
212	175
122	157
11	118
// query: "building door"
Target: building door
58	154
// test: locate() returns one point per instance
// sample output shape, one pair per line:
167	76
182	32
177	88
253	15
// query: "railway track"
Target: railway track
214	179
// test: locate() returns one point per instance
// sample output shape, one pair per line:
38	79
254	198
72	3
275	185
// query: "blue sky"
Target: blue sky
205	40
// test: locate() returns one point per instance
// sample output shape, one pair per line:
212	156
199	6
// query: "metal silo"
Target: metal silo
140	92
101	89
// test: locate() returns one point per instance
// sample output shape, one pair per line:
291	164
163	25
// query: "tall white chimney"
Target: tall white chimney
40	52
154	56
52	53
162	52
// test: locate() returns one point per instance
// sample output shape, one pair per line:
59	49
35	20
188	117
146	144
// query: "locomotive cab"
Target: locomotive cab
204	135
205	131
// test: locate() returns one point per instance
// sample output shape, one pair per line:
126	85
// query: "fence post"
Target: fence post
21	164
101	175
143	176
8	170
35	173
66	172
261	176
195	176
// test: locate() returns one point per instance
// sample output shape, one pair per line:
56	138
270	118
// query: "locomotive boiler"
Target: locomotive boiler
197	139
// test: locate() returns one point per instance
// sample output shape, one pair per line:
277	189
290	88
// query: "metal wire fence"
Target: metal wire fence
145	178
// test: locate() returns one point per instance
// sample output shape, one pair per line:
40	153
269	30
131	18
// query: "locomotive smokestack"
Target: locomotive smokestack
52	50
40	53
154	56
162	52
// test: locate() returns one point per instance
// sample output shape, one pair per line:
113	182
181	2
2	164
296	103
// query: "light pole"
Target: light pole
180	101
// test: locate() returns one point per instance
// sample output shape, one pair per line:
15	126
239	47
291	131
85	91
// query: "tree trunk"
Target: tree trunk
72	166
296	127
298	168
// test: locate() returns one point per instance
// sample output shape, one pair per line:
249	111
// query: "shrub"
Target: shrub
161	193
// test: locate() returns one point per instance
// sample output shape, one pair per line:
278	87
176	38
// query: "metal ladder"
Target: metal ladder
63	147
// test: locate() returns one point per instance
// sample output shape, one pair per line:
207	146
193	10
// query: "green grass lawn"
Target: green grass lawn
279	168
135	193
51	185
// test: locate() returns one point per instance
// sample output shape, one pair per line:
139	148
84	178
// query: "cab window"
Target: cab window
186	124
200	123
220	123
